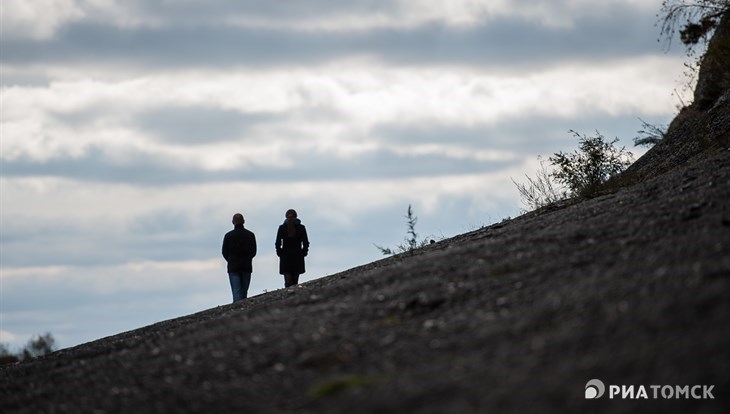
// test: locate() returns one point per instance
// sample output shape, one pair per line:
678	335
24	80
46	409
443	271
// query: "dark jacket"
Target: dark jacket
239	249
291	250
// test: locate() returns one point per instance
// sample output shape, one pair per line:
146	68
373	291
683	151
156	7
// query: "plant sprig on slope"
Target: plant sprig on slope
411	241
649	134
541	190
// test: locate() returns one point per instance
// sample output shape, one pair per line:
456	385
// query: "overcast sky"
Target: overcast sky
133	130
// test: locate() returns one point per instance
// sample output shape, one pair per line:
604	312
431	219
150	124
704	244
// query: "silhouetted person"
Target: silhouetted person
292	245
239	249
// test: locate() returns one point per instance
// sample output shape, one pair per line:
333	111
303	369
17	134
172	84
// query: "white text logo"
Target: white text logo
595	389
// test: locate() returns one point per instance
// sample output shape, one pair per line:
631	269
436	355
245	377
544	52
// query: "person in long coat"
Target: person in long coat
292	246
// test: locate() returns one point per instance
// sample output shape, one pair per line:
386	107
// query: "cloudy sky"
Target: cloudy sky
133	130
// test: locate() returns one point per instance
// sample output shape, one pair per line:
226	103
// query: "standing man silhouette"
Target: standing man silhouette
239	249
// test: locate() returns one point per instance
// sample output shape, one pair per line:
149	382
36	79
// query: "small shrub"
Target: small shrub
695	21
595	161
6	357
38	345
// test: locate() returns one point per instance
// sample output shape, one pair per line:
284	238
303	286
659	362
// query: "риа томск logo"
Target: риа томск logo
595	389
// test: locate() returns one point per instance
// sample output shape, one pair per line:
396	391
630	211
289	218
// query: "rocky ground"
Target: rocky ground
632	287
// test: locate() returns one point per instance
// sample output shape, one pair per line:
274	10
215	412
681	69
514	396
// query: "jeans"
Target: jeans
239	285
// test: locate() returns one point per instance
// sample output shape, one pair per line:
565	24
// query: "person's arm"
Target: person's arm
305	241
224	249
252	248
279	240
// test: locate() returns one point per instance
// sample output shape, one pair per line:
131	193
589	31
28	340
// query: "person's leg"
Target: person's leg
288	280
235	279
295	279
245	283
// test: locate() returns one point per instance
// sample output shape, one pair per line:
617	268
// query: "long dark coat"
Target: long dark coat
292	250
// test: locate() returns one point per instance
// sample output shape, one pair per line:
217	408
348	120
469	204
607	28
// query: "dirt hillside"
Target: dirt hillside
631	288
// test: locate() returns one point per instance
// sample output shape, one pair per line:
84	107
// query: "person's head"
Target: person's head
238	219
291	214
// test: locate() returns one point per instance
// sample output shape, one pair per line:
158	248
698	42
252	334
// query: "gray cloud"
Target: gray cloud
150	170
501	43
198	125
181	125
98	166
61	242
168	235
535	135
540	136
383	164
158	235
160	222
216	10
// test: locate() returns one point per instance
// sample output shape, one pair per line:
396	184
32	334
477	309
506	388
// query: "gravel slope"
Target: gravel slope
632	288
